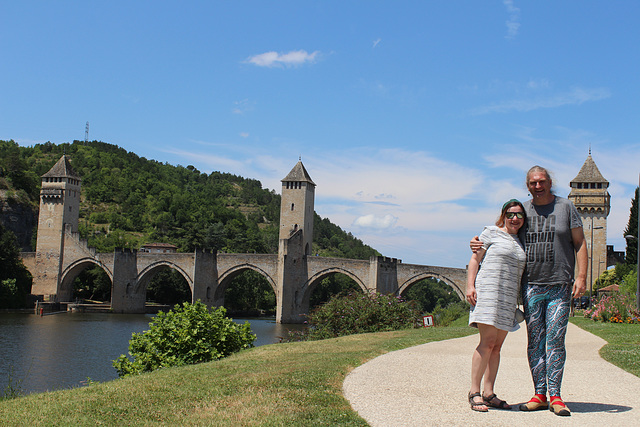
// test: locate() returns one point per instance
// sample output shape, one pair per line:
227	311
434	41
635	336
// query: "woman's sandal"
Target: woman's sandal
500	405
536	403
477	406
558	407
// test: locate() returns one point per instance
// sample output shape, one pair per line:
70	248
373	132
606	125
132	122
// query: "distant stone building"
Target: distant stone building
159	248
590	196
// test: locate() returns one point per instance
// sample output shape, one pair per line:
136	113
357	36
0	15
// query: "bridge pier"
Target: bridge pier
205	277
126	295
292	275
383	276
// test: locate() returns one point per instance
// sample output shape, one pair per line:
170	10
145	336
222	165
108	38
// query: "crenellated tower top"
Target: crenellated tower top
589	190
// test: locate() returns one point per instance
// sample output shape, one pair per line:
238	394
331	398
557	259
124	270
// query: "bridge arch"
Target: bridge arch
72	271
404	287
145	276
227	276
314	280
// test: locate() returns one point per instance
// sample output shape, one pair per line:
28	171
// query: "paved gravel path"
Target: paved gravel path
427	385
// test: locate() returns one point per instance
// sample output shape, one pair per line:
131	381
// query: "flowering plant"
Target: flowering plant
618	308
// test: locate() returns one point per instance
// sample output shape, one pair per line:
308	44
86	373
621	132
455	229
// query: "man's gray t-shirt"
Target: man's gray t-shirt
550	253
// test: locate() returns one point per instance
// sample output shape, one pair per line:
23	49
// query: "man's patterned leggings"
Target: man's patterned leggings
546	311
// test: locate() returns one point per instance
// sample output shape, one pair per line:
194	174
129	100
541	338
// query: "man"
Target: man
554	242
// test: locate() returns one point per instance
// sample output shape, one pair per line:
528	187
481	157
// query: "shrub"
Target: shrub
629	283
444	316
188	334
357	313
617	308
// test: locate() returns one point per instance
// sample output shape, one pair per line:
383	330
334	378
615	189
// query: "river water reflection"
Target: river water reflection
62	350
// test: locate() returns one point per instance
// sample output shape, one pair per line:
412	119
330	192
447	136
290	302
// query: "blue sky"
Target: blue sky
416	119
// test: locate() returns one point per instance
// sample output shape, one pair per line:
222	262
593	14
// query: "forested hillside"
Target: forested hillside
128	200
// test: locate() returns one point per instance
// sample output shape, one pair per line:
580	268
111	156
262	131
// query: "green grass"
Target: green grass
623	348
294	384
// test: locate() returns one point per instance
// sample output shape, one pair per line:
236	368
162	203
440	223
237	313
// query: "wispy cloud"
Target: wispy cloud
241	107
289	59
513	23
575	96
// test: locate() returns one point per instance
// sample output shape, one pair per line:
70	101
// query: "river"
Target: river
60	351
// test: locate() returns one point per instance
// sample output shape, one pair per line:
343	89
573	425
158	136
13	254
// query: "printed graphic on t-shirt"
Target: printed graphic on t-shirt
539	241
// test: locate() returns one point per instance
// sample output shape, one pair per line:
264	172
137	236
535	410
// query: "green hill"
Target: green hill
128	200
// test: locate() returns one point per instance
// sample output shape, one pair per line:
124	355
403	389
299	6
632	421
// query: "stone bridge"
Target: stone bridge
208	274
293	273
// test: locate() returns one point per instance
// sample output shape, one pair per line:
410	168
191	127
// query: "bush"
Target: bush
629	283
618	308
188	334
357	313
444	316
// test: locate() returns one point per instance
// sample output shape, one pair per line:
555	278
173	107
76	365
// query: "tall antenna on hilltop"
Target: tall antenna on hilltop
86	133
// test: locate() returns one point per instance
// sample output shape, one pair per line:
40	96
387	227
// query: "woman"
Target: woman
493	293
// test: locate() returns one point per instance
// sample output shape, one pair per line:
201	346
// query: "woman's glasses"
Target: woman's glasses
518	215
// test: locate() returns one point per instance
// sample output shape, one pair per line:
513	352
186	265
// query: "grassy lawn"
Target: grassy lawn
295	384
623	348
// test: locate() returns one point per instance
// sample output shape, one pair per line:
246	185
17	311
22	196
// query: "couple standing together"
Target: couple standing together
542	238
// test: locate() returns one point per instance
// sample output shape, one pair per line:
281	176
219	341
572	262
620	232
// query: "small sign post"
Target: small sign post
427	321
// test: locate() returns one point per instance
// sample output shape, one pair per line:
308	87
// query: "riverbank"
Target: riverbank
282	384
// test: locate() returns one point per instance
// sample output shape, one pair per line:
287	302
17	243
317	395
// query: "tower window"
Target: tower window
292	206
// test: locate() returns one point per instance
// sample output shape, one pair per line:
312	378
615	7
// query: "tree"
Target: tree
186	335
333	285
431	293
168	287
613	276
249	294
632	230
15	280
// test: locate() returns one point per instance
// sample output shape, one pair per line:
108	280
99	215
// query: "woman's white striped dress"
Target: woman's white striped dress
498	280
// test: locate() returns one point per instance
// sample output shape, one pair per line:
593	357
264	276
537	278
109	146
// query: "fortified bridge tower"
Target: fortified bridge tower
296	240
590	196
59	212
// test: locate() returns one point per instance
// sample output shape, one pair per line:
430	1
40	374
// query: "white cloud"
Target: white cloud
377	222
537	84
575	96
275	59
513	24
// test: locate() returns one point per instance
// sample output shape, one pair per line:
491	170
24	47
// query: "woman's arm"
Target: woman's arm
472	272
